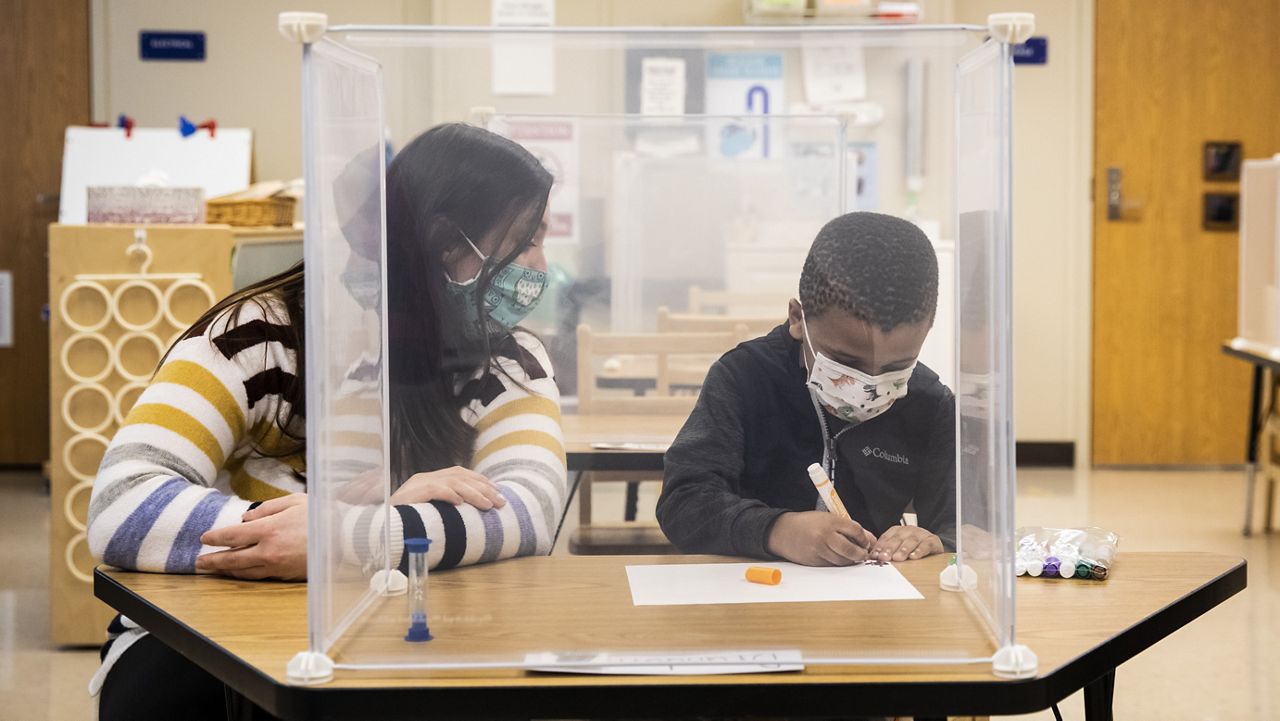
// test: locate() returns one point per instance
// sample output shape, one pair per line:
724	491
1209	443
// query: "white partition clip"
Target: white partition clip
1012	28
389	583
310	667
1016	661
302	27
958	577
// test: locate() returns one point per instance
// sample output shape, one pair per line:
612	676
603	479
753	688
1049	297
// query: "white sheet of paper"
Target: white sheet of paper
629	446
653	664
523	65
715	583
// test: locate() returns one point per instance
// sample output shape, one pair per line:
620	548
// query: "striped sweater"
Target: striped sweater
183	462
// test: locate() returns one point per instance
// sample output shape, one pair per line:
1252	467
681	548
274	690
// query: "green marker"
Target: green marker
1083	569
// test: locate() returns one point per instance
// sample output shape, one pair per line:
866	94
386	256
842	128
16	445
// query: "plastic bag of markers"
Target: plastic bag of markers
1081	553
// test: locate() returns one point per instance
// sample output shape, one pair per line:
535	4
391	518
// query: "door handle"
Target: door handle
1117	207
1115	195
47	202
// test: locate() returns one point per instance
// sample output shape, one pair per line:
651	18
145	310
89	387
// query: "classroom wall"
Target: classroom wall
251	79
251	76
1053	155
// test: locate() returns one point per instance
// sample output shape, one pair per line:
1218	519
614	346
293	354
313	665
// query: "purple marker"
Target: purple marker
1051	566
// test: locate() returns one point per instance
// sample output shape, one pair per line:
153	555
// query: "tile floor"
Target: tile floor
1222	667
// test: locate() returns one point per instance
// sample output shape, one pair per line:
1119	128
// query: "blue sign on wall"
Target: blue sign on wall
155	45
1035	51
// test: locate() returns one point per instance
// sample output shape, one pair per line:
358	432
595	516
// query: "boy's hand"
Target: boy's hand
818	538
901	543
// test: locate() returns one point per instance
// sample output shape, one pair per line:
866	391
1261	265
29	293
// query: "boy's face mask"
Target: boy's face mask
512	294
848	392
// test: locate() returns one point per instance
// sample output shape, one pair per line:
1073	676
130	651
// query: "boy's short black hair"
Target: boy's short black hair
877	267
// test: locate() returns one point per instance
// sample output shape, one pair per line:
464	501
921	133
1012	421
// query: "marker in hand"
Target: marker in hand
831	499
827	491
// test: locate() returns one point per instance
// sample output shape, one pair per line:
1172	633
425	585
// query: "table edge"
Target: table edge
232	670
740	695
1249	357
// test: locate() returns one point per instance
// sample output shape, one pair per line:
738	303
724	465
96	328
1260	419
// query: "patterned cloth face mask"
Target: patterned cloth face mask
512	294
848	392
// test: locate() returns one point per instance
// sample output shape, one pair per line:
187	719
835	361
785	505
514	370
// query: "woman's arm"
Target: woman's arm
519	448
154	494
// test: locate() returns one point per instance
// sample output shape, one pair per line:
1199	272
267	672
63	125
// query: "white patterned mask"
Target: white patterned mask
848	392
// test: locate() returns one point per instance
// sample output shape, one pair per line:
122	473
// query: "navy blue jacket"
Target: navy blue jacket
740	460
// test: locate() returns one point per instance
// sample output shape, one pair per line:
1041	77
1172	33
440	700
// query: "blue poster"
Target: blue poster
746	87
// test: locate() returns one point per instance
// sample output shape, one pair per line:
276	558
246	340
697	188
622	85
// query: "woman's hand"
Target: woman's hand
365	489
456	485
269	542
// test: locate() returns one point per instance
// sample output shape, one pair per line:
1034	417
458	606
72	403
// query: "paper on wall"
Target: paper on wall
662	86
523	13
833	73
744	84
523	64
554	142
722	583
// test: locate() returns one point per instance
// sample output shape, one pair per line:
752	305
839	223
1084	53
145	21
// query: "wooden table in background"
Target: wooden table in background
582	431
246	632
1265	370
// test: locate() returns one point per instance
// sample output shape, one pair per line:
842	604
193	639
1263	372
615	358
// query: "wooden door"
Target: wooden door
1170	76
44	70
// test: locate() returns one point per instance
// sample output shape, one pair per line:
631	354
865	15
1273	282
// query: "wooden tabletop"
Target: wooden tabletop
246	632
654	433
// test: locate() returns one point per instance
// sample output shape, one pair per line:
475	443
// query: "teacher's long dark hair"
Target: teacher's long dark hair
451	178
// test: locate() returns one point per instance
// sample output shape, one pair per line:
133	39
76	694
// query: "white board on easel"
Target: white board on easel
104	156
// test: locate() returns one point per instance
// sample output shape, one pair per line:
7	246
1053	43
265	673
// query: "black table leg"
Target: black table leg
1097	697
1251	450
240	708
633	500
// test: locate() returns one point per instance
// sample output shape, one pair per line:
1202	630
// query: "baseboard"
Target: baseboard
1045	454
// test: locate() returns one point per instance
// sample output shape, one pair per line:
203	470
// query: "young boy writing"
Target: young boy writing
837	384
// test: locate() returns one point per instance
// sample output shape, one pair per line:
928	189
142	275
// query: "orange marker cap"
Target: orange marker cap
764	574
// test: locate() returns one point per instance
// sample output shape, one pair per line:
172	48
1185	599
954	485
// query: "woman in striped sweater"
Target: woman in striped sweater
208	473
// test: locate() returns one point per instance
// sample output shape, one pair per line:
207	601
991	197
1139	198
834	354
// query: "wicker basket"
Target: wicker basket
274	210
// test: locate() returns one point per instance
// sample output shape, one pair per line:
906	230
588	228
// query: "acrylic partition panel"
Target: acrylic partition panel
692	170
984	388
343	254
1259	324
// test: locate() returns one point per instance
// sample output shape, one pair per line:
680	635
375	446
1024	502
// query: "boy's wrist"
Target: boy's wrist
751	530
772	534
